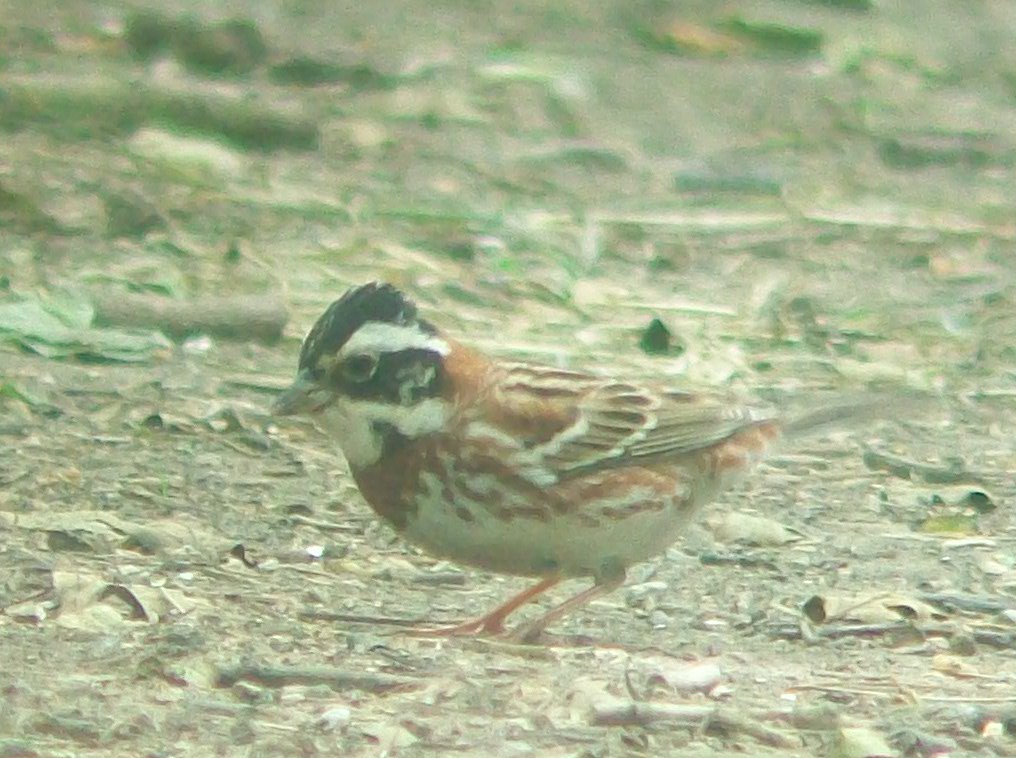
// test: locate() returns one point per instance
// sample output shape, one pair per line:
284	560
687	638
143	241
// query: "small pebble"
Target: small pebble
335	718
659	620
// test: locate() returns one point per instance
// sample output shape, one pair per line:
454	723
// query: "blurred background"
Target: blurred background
777	199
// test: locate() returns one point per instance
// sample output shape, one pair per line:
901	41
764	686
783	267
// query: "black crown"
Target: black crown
374	301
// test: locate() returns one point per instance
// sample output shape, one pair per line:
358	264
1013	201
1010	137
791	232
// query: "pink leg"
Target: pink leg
493	622
531	632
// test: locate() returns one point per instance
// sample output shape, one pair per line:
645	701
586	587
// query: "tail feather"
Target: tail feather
850	411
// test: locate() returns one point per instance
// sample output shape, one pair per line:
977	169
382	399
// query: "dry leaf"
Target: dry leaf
390	736
750	530
700	676
862	742
868	609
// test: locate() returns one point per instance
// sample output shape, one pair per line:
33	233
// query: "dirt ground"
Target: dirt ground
814	200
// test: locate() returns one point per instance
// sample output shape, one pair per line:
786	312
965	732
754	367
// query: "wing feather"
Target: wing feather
605	423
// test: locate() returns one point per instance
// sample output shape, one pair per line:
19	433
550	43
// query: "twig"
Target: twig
701	716
836	689
95	105
640	714
337	679
990	637
903	468
955	601
354	618
256	318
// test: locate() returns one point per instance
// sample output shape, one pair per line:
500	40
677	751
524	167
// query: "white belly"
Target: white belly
581	542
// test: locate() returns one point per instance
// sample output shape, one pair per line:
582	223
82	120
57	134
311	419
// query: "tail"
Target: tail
849	412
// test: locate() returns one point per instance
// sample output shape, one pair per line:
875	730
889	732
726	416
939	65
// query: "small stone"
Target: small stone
637	592
335	718
659	620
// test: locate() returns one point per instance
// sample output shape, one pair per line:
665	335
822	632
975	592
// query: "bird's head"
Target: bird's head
371	372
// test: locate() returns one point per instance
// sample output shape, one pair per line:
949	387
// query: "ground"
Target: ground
793	202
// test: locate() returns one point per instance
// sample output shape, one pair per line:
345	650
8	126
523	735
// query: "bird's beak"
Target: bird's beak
303	396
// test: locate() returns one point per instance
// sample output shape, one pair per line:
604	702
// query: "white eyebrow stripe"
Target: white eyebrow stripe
377	337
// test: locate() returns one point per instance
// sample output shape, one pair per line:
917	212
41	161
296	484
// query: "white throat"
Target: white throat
354	424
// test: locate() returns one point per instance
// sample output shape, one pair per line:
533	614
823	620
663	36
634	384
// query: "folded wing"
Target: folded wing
600	423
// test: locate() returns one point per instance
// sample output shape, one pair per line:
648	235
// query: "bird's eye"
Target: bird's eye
359	368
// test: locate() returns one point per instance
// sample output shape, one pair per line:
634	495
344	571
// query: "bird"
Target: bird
517	468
